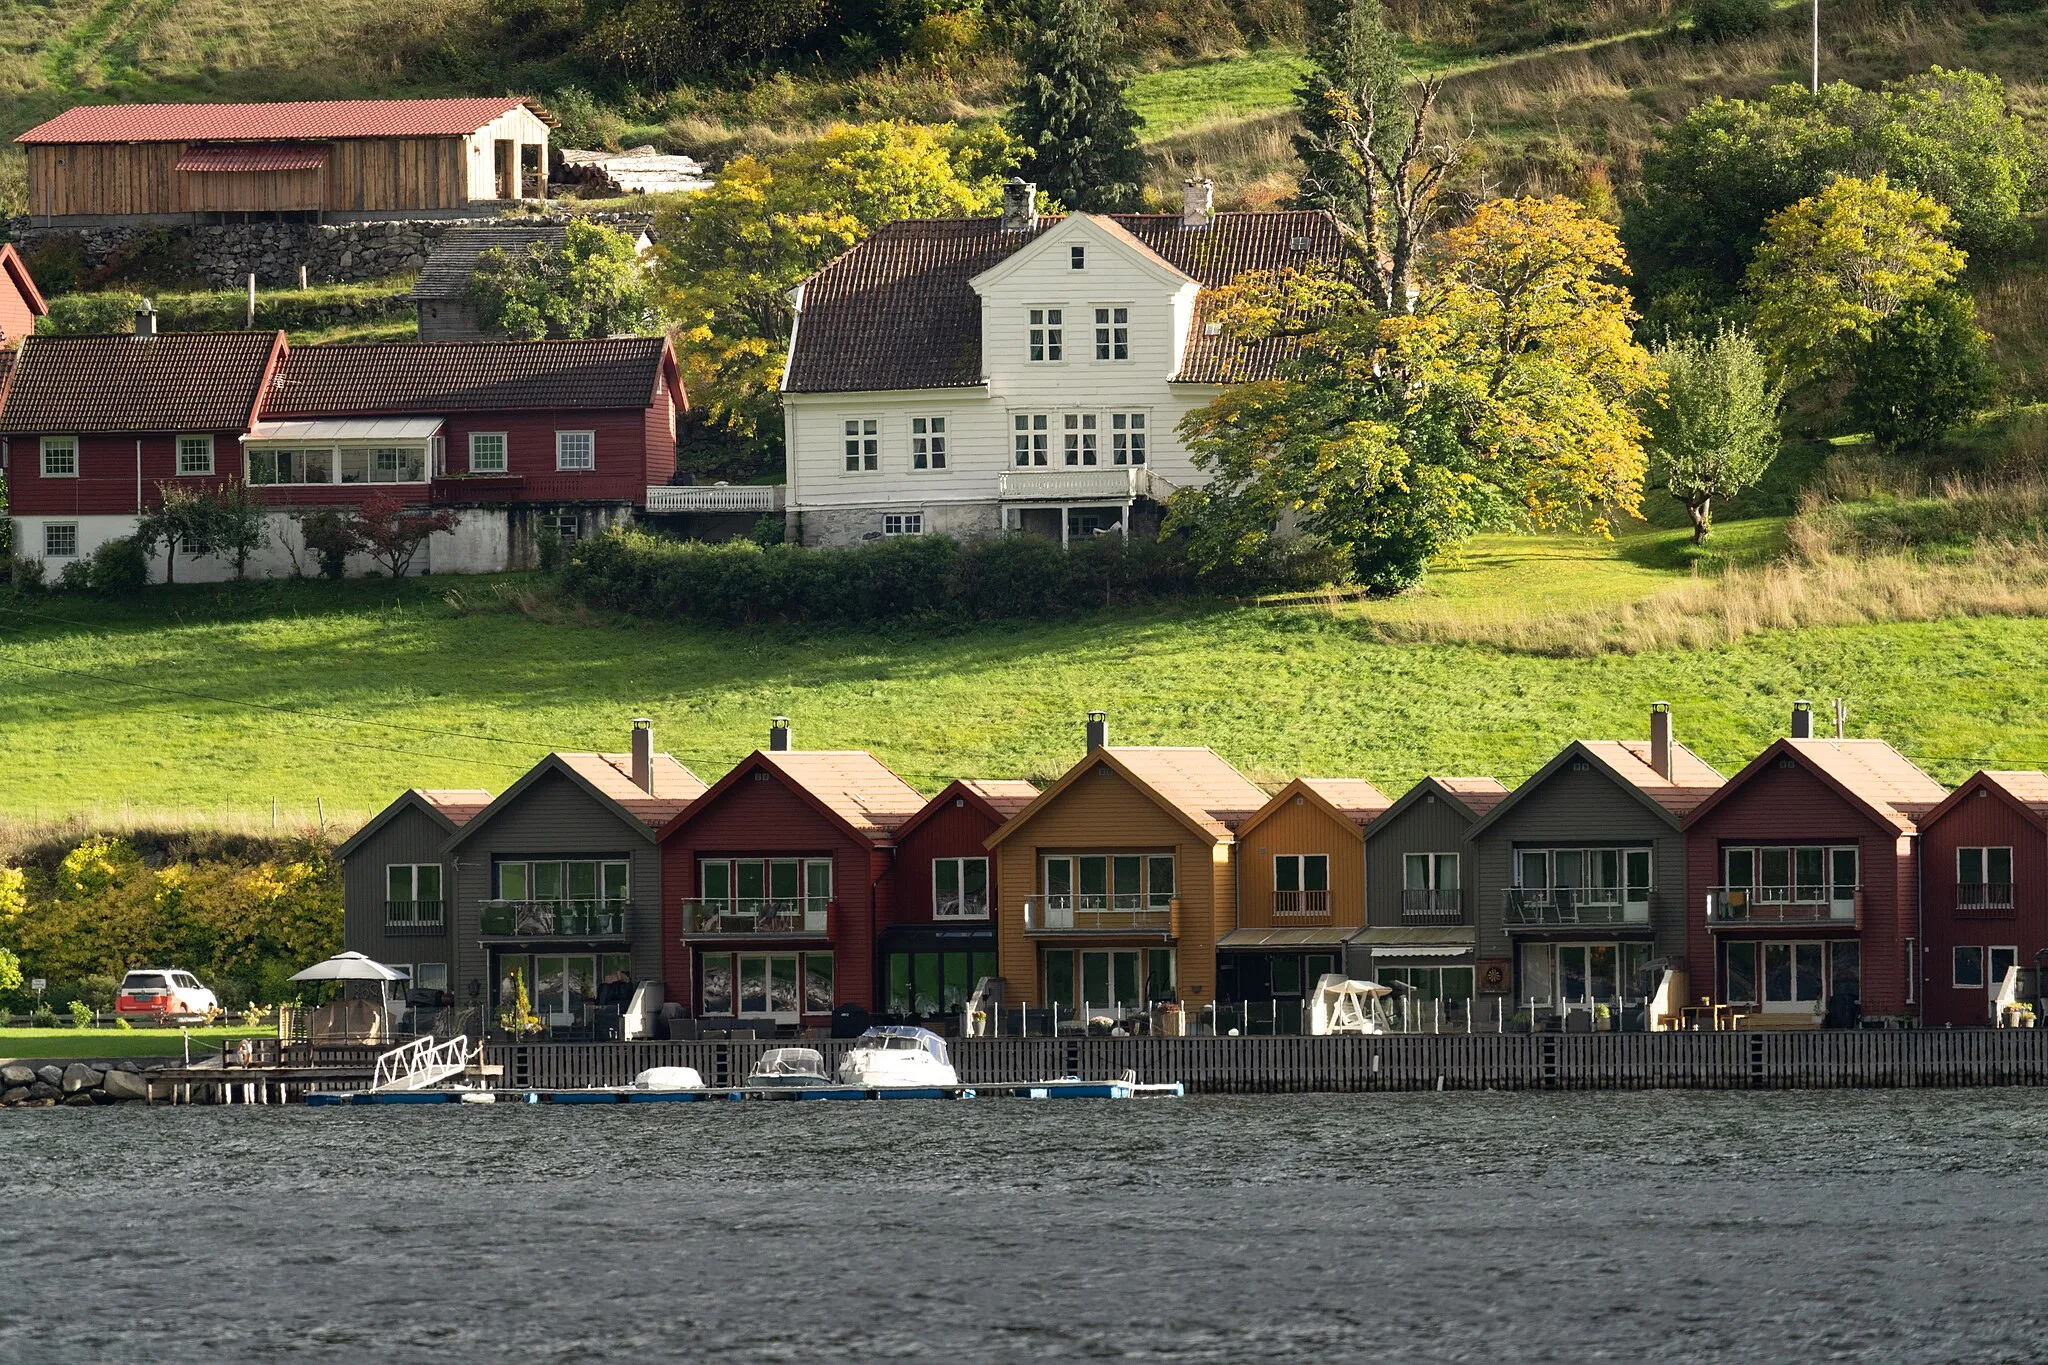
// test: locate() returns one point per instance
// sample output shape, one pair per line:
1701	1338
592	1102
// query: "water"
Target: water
1460	1227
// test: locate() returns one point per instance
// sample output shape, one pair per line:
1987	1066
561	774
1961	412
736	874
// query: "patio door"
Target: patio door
562	986
768	987
1792	977
1842	894
1111	980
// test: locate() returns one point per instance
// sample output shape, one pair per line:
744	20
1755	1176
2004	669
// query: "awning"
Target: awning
253	156
1419	941
1329	936
365	429
937	938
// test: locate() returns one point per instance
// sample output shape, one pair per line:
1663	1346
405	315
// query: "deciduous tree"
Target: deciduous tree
1926	370
391	531
1715	430
1076	133
182	518
241	524
590	284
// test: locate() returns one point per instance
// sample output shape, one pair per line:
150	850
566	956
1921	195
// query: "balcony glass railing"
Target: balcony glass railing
796	915
1288	905
1738	905
1098	914
1566	907
960	907
1984	900
1427	903
414	917
555	919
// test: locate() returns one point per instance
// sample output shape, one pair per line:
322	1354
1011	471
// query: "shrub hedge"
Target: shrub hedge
293	310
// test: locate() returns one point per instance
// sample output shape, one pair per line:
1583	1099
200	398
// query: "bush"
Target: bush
81	1014
1721	21
118	568
25	574
75	576
42	1016
1926	371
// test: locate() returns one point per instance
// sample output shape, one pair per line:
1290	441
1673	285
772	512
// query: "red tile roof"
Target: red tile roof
254	156
1876	774
181	381
460	805
1692	779
469	376
1478	794
1354	796
1195	781
2029	787
851	783
1006	795
675	786
897	311
315	120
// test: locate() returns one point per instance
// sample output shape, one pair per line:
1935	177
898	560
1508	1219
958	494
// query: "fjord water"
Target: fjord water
1896	1226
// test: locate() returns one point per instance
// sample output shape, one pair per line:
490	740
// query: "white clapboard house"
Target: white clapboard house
1023	373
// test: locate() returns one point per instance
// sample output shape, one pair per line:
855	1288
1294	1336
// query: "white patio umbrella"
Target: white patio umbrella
349	967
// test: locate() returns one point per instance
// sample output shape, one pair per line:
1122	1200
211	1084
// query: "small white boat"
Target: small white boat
669	1078
897	1054
785	1067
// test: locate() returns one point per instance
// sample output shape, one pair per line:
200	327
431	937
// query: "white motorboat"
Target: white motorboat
669	1078
897	1054
789	1067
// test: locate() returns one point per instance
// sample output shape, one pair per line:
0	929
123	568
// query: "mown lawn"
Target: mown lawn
337	696
109	1042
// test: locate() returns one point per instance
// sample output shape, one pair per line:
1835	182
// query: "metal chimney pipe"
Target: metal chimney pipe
643	754
145	319
1802	720
1098	730
1660	738
778	734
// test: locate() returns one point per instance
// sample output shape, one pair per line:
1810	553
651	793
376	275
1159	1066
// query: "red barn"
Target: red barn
939	938
774	882
1984	891
1803	875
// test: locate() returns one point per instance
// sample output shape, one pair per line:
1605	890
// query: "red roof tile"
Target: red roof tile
1006	795
467	376
851	783
460	805
2029	787
316	119
1195	781
1478	794
1876	774
1355	796
675	786
1692	779
181	381
254	156
897	311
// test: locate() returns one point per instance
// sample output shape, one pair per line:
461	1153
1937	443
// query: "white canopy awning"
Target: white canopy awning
1381	950
352	429
349	967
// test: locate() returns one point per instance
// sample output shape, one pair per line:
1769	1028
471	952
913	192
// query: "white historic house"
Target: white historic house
971	376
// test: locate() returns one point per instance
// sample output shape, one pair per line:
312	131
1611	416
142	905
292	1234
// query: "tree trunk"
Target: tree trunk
170	561
1702	519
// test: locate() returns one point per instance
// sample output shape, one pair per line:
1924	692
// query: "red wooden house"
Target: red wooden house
21	303
1802	875
1983	891
775	881
939	937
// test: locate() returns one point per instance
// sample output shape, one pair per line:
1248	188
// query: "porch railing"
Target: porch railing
1744	905
1301	905
1116	482
1984	900
402	918
960	907
1564	907
756	916
556	919
1099	914
717	497
1431	903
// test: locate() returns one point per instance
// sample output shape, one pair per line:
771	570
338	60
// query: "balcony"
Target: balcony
719	497
1984	900
1431	905
555	919
1117	483
1101	914
799	917
403	919
1564	907
1744	907
1298	907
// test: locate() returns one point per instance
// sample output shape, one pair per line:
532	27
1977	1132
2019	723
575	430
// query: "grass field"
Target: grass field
344	694
108	1042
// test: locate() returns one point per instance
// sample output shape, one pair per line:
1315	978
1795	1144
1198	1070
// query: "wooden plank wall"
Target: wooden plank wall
1939	1058
138	178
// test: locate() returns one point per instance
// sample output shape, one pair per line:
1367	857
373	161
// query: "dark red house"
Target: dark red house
1983	891
1803	872
939	937
775	881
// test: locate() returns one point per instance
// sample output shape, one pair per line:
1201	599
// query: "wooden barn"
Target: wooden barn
332	160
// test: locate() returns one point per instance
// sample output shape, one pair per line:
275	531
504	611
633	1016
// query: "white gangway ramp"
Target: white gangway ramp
422	1063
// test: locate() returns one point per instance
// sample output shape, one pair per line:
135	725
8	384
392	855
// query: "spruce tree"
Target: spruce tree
1080	139
1351	53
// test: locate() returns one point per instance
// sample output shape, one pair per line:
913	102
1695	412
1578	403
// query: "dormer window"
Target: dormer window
1048	334
1077	257
1112	334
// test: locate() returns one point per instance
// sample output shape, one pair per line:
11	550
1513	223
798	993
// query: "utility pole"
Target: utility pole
1816	47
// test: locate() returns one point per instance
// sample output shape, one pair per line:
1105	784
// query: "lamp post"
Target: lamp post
1816	47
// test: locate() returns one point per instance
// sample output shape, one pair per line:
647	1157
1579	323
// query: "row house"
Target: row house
1983	892
527	439
1421	901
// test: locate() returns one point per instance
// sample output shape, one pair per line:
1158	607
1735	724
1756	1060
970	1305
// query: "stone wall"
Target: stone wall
74	1083
224	255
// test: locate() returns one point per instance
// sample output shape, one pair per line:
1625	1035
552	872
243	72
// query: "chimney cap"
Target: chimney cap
643	722
1660	706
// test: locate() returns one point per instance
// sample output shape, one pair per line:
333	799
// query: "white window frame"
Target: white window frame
419	978
1301	862
1045	334
1113	333
1081	440
928	440
561	454
504	441
50	526
64	446
1433	865
902	524
203	447
1130	439
1955	967
860	445
1031	440
960	879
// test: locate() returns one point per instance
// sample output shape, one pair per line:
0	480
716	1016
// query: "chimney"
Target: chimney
145	319
643	754
778	734
1020	205
1802	720
1660	738
1197	203
1098	730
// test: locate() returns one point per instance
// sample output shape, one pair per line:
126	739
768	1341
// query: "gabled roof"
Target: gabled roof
1194	785
850	787
608	778
1473	795
449	809
1627	762
1352	802
449	267
1082	224
2026	791
16	272
311	119
1868	773
180	381
897	311
997	800
472	376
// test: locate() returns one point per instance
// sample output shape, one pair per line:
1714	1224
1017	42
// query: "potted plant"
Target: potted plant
1603	1019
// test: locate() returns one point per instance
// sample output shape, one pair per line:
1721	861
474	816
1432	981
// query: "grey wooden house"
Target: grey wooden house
397	883
1421	930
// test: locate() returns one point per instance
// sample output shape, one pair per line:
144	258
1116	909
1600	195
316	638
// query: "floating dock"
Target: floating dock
1070	1088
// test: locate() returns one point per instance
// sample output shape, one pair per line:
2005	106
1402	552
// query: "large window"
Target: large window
553	881
1109	981
1046	335
959	888
1078	439
1127	438
487	452
287	465
195	455
1032	436
928	443
1301	884
575	450
1582	885
1968	968
412	894
271	466
862	444
1796	874
60	457
1563	975
785	987
1106	881
934	985
1983	877
1741	981
1429	885
798	890
1112	334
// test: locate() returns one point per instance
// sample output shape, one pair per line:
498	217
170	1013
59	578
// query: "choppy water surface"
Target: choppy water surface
1893	1226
